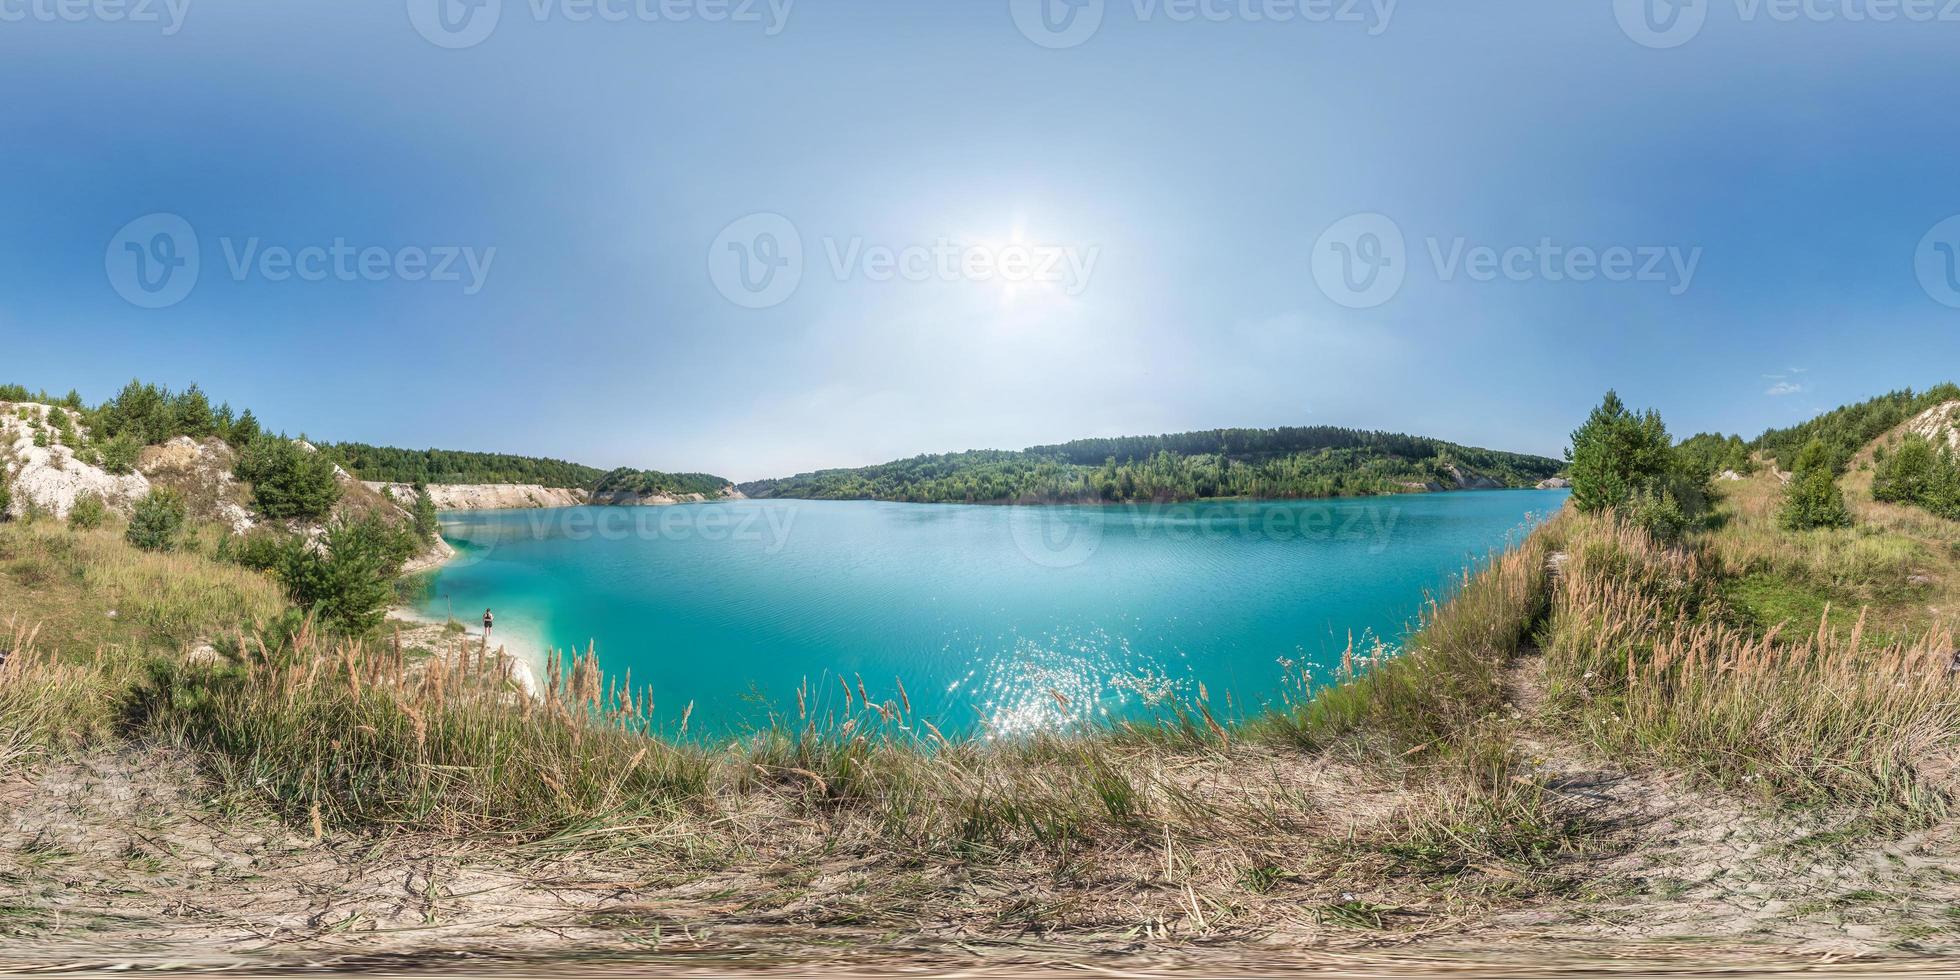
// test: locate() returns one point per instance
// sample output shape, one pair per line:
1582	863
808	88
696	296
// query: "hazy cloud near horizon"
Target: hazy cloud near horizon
995	243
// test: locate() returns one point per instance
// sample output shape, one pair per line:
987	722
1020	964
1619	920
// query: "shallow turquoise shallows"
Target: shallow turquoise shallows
997	620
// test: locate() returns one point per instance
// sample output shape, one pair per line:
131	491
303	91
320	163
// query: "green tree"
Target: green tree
120	453
348	580
288	482
1812	498
158	520
244	431
1617	455
1905	474
190	414
426	525
140	412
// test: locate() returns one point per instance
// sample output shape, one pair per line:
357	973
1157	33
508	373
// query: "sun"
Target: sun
1025	272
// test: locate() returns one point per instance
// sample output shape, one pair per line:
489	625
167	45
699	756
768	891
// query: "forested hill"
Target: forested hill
449	467
653	483
1320	461
1844	431
445	466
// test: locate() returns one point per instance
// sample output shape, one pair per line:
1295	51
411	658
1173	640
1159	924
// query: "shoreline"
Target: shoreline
527	659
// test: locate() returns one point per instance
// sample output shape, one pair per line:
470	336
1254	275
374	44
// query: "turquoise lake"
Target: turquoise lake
985	613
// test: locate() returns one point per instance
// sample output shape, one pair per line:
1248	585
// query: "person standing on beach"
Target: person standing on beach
488	620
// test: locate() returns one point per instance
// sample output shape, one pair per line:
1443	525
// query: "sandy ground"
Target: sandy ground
123	860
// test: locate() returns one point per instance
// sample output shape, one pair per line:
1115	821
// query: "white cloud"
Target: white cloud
1781	388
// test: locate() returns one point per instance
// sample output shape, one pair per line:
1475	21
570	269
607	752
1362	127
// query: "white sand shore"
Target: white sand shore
526	656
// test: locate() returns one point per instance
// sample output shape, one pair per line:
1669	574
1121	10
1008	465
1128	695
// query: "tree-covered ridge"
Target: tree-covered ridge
386	464
1321	461
111	435
1711	453
144	414
1845	431
653	483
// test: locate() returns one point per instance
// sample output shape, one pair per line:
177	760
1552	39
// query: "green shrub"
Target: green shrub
88	512
158	521
348	580
6	491
119	454
1904	474
1918	473
288	482
1812	498
263	551
1660	513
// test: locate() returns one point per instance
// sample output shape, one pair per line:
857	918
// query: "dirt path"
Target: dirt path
1694	862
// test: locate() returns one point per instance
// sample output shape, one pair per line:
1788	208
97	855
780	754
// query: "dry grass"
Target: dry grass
1449	676
1643	657
98	593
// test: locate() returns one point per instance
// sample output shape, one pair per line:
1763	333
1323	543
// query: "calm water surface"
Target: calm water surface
985	614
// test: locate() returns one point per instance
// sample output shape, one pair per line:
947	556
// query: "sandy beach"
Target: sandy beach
527	657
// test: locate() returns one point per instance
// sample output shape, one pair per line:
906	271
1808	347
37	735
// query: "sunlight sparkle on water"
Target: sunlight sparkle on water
1057	683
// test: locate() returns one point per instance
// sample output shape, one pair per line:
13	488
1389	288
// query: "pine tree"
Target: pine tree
157	521
1812	499
1905	474
426	526
1617	455
243	431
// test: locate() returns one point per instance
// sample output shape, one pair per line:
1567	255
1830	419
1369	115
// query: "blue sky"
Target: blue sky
1174	194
